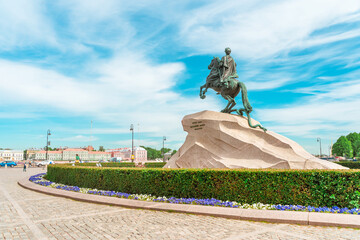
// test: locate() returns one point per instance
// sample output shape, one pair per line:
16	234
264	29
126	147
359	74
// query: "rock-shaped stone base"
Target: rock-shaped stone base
221	140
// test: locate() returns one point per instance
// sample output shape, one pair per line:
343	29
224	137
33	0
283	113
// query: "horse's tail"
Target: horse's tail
254	126
245	98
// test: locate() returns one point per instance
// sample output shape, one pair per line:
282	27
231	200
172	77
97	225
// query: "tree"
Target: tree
342	147
166	150
101	149
353	137
173	152
152	153
356	148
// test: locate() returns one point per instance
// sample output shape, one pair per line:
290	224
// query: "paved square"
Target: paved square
25	214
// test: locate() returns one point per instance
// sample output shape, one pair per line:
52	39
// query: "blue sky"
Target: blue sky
66	63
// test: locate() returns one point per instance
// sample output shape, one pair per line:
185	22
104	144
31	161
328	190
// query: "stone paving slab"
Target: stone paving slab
305	218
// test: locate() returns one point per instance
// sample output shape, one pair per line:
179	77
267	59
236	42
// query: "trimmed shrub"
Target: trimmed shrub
350	164
155	164
106	164
299	187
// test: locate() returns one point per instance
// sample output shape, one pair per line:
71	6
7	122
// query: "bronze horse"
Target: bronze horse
229	89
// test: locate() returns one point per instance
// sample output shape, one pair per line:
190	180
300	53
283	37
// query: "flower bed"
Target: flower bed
38	179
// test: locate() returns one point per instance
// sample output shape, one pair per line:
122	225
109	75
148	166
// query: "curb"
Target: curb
272	216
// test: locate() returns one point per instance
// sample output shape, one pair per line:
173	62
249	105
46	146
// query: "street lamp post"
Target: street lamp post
319	140
47	143
163	149
132	142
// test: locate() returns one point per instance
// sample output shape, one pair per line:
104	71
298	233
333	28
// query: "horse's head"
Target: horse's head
215	62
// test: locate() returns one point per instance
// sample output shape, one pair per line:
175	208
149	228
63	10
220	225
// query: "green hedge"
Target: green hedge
350	164
155	164
110	164
302	187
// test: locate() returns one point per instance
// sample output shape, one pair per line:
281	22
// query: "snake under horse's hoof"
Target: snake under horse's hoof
240	112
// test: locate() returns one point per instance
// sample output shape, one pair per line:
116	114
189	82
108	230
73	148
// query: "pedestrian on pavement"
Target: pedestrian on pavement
77	159
24	169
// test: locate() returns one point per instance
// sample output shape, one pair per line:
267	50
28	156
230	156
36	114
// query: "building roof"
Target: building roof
139	148
98	152
11	151
43	151
125	149
75	150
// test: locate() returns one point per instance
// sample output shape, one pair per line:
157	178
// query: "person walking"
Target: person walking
24	169
77	159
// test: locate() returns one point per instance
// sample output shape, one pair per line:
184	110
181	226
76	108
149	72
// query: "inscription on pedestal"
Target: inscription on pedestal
197	125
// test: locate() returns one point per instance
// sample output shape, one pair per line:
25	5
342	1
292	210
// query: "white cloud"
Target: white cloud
98	22
269	84
77	138
28	85
130	89
329	112
23	23
262	29
17	115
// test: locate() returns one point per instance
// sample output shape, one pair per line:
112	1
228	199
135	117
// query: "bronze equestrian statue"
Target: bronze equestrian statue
222	79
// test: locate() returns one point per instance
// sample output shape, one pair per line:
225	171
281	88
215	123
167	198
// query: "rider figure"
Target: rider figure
228	66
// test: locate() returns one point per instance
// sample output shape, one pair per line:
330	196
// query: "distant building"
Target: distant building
89	148
11	155
52	155
97	155
31	154
68	154
140	154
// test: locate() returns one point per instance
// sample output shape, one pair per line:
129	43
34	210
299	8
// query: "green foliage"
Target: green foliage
101	149
342	147
155	165
166	150
50	149
350	164
356	148
303	187
354	138
152	153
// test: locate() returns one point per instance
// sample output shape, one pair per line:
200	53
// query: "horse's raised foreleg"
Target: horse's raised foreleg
202	92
